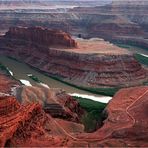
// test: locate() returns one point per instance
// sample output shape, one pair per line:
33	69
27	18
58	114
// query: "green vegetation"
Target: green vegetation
102	91
124	46
4	69
129	45
142	59
90	105
93	117
34	78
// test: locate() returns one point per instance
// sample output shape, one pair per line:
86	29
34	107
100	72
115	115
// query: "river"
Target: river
21	71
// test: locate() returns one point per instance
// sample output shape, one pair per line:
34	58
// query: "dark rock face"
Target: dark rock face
126	124
44	37
114	29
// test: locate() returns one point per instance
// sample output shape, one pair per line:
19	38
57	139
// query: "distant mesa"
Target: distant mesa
42	36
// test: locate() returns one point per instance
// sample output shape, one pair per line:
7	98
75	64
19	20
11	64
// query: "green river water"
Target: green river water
21	70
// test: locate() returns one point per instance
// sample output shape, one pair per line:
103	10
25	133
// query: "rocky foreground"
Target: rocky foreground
7	84
28	124
84	63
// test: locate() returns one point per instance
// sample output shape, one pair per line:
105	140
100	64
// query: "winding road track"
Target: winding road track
103	138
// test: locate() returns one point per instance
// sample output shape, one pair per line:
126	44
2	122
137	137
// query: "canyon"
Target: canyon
54	101
116	22
89	64
73	73
119	21
28	124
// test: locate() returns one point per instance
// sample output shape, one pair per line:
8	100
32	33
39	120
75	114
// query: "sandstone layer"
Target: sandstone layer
54	102
29	125
91	64
126	124
118	19
42	36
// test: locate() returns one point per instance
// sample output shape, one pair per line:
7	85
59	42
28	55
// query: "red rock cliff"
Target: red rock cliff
41	36
57	102
29	125
127	122
84	67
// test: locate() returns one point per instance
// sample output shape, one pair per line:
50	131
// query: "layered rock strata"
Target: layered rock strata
44	37
54	102
126	124
93	64
29	125
124	18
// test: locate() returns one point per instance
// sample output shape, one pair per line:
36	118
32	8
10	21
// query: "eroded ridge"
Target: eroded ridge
29	125
45	37
91	65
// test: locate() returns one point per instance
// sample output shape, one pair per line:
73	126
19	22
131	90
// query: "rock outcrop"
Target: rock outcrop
54	102
7	84
119	19
126	124
29	125
44	37
124	18
93	64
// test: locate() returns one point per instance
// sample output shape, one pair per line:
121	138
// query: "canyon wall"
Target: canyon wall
28	125
44	37
126	124
54	102
84	69
120	20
